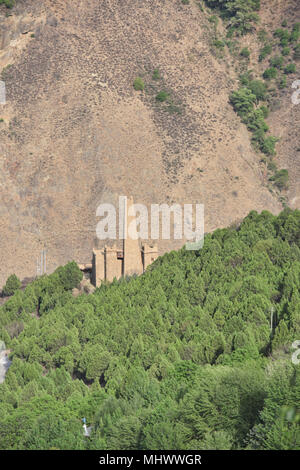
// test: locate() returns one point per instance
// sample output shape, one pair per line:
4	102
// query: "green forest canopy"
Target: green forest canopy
182	357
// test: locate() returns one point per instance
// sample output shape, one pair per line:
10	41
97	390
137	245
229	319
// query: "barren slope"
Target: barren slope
75	131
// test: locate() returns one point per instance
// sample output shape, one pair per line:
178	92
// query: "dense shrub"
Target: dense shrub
265	51
69	276
162	96
7	3
281	179
258	88
270	73
219	44
267	144
283	35
282	83
297	52
138	84
243	101
286	51
245	52
156	74
295	34
241	14
290	68
277	61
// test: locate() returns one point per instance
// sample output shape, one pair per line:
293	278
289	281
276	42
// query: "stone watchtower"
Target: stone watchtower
133	258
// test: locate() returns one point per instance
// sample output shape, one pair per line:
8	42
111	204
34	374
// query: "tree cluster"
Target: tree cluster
193	354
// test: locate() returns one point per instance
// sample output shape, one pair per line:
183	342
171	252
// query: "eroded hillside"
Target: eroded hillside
75	130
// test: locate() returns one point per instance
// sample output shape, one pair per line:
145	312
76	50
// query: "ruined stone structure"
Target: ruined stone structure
112	262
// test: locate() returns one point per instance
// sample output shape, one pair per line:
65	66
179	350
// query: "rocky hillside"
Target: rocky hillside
75	132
